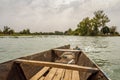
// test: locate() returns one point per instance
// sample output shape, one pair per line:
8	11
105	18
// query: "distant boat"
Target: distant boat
60	63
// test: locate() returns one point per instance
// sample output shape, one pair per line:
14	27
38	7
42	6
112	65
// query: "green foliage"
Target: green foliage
7	30
69	32
76	32
92	26
105	30
113	30
101	18
84	26
58	33
0	31
25	31
48	33
11	31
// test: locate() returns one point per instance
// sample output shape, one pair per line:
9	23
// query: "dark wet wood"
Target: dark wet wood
17	72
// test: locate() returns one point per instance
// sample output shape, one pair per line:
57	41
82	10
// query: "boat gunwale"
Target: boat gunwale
97	66
66	47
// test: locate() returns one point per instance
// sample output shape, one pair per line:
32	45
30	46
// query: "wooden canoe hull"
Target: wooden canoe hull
9	71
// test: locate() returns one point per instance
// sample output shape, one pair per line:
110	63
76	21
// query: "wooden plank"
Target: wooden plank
40	73
75	75
42	78
67	50
58	74
68	75
57	65
51	74
63	74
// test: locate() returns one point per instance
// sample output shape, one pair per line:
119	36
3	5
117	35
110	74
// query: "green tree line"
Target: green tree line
94	26
8	31
97	25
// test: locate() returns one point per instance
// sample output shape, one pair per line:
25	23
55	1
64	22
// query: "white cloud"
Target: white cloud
50	15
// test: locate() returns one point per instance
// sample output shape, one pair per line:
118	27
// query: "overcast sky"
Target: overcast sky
51	15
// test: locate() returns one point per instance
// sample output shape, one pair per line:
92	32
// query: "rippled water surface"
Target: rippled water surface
105	51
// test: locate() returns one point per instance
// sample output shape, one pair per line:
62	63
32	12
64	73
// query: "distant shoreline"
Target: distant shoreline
51	35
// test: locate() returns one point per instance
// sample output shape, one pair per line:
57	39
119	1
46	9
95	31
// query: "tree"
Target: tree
105	30
113	30
76	32
0	31
58	33
11	31
101	18
68	32
95	25
84	26
91	26
25	31
6	29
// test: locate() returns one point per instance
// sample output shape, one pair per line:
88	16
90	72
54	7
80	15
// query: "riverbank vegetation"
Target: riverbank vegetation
95	26
7	31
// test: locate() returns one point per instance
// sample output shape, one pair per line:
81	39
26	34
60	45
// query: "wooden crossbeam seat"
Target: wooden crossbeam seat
67	50
56	71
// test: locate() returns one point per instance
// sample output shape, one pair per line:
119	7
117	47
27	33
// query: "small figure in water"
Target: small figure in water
77	48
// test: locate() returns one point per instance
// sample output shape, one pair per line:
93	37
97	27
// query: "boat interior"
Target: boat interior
60	63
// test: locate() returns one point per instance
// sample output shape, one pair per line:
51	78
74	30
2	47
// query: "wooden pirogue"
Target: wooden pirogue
59	63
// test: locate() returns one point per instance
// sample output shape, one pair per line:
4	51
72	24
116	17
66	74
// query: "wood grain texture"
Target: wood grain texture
40	73
67	50
51	74
57	65
75	75
58	74
68	75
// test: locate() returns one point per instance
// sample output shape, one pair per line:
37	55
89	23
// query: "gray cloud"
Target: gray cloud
51	15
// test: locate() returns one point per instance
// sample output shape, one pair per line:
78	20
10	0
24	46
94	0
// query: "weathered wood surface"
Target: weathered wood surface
59	74
84	60
51	74
81	59
6	67
67	50
42	78
75	75
68	75
58	65
16	69
40	73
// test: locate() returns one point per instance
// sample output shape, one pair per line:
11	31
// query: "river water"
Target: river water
105	51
